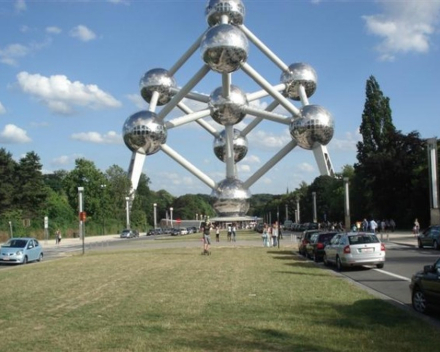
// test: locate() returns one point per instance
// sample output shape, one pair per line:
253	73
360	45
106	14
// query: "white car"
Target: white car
183	231
355	249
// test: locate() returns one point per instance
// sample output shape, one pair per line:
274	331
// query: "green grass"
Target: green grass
238	299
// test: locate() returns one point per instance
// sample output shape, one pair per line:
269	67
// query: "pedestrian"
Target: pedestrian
206	238
365	225
392	225
274	233
416	227
229	232
234	232
58	237
373	226
217	233
265	236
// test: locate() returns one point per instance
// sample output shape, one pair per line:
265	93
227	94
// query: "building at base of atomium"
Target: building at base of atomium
224	49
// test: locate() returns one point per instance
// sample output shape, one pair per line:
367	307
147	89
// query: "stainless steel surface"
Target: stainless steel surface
215	9
299	74
224	48
240	146
159	80
228	111
232	199
143	132
315	126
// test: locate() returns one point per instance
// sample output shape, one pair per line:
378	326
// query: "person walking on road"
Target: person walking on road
217	233
416	227
58	237
206	238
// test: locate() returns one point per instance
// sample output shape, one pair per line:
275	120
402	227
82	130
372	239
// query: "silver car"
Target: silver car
20	251
355	249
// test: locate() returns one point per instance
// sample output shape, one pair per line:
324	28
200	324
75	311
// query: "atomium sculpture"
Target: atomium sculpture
224	48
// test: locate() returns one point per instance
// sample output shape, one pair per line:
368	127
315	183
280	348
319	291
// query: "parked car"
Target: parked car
154	232
425	288
318	241
128	233
355	249
430	237
304	240
175	232
21	251
183	231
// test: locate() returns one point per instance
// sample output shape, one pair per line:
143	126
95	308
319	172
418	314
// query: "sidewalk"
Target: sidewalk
401	238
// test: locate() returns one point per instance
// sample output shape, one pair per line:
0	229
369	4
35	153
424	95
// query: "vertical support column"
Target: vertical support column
298	214
155	216
347	204
81	217
171	216
433	181
127	211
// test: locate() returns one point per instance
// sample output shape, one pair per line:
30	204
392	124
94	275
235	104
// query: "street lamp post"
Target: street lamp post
171	216
81	210
103	208
127	209
347	204
315	216
155	216
10	228
298	220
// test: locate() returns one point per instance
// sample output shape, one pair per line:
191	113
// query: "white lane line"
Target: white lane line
394	275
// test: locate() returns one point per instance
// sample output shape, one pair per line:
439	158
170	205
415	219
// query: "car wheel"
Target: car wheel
380	266
326	263
40	258
338	264
436	246
419	300
315	258
420	244
25	259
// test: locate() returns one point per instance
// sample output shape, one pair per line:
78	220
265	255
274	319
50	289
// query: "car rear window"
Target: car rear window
16	244
326	237
362	239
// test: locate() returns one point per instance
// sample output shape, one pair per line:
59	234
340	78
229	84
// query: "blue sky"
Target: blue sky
70	72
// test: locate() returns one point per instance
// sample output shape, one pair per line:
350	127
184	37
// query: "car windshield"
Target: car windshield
15	244
362	239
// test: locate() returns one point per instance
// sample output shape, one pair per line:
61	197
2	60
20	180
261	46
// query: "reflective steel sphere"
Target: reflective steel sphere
231	198
228	111
315	126
143	132
240	146
299	74
224	48
234	9
159	80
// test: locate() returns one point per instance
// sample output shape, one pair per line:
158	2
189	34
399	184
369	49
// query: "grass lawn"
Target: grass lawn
238	299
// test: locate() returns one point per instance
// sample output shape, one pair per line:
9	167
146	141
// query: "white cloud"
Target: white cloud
20	6
264	140
53	30
119	2
305	167
61	95
65	159
2	109
137	100
12	52
110	137
12	134
405	26
346	145
82	33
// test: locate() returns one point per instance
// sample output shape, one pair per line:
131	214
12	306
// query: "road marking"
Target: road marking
394	275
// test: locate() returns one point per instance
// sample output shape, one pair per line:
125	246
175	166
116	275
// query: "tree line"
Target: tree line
390	180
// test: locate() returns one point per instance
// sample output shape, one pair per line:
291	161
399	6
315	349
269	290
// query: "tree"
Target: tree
7	180
30	192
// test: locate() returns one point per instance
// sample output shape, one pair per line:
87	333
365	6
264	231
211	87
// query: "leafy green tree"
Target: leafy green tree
30	192
7	180
118	187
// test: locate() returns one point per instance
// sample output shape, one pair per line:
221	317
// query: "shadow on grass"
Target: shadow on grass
280	252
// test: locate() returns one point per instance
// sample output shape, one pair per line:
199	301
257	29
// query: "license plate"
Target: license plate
5	258
366	250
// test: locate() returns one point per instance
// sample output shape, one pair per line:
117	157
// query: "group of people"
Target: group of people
380	226
271	235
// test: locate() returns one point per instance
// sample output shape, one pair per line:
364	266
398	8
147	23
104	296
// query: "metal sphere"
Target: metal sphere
157	80
240	146
299	74
231	198
143	132
215	9
228	111
315	126
224	48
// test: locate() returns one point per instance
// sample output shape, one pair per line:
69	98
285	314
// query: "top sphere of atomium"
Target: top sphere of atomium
224	48
143	133
315	126
233	9
231	198
240	146
157	80
228	111
299	74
